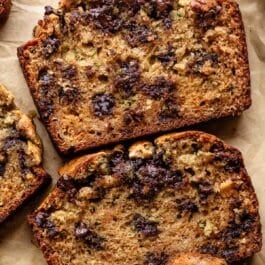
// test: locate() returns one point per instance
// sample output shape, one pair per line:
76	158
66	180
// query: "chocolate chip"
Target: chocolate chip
46	107
103	78
2	169
160	88
69	95
166	57
136	34
217	146
81	230
144	226
206	18
173	178
156	258
205	189
42	221
186	207
91	238
90	72
169	110
233	165
103	104
229	253
45	78
104	18
128	76
209	249
58	12
132	117
231	159
200	59
159	9
190	171
69	72
50	45
48	10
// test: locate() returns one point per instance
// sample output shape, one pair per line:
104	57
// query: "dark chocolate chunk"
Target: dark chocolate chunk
206	18
156	258
190	171
46	107
186	207
103	104
58	12
105	18
233	165
170	109
159	9
92	239
50	45
2	169
209	249
103	78
42	221
200	59
144	226
69	72
45	78
69	95
160	88
48	10
90	72
166	57
132	117
232	160
205	189
128	76
229	252
217	146
136	34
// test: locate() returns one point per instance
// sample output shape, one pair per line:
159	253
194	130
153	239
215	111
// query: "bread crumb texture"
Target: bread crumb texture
101	71
143	204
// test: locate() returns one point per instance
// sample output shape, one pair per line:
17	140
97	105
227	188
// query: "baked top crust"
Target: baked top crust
21	173
142	204
101	71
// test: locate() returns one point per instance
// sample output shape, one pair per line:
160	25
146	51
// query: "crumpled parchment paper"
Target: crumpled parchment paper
246	132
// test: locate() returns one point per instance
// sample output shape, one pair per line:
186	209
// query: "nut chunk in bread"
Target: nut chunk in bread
21	173
184	192
104	71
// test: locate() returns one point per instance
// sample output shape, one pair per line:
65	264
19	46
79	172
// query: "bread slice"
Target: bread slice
196	259
140	205
21	173
5	6
104	71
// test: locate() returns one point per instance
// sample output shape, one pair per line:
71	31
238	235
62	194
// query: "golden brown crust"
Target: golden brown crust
5	6
221	236
196	259
83	141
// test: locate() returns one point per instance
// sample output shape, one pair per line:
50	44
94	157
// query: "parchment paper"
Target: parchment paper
247	132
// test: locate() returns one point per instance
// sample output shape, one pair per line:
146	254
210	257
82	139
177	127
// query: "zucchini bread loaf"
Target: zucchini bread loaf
142	204
21	173
101	71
